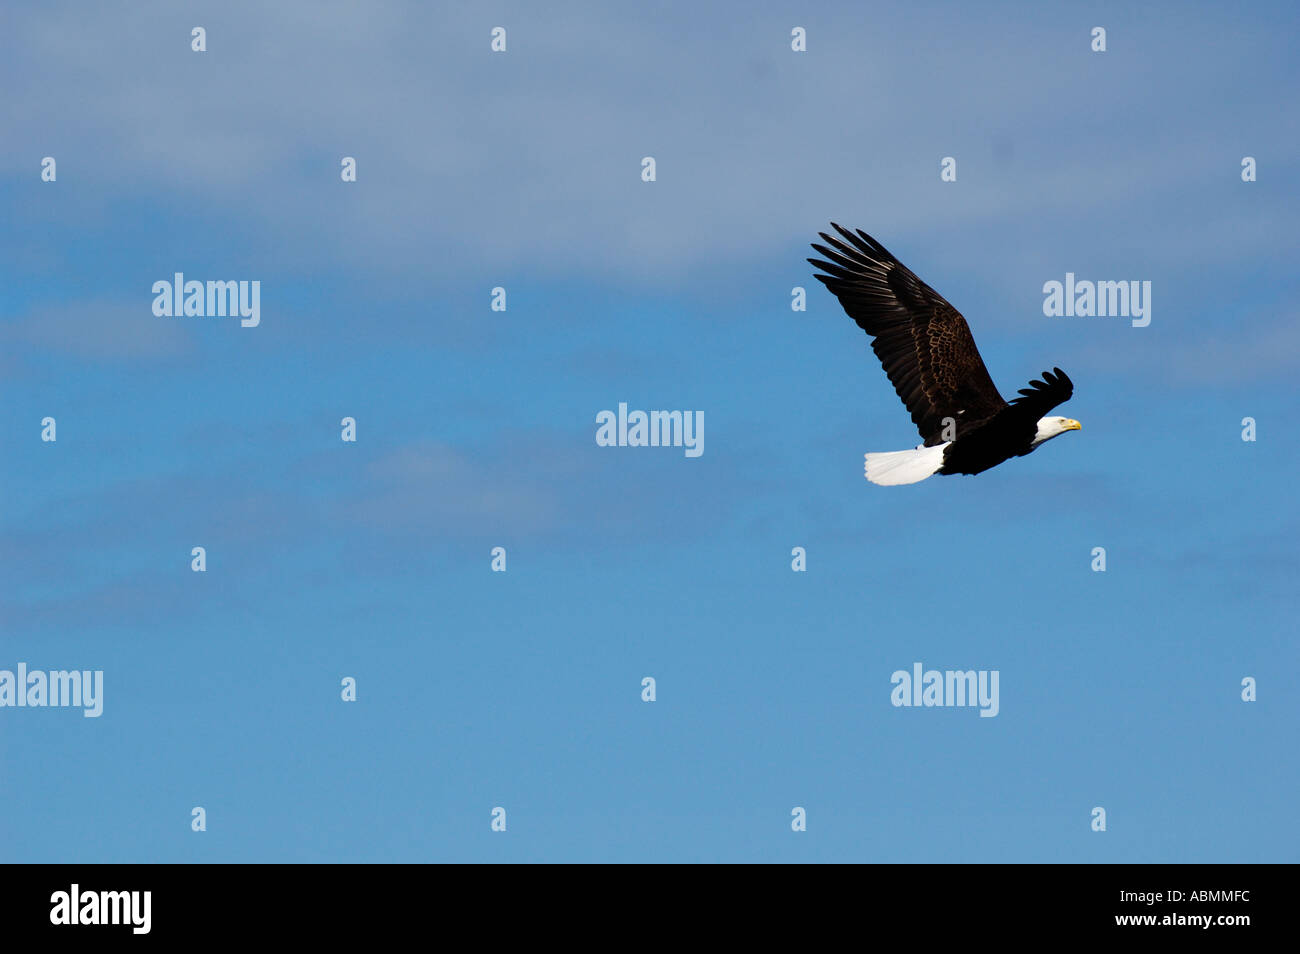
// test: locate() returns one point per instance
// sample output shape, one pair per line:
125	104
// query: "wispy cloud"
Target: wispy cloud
471	150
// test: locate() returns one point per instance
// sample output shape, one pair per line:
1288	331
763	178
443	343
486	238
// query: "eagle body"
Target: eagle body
999	438
929	355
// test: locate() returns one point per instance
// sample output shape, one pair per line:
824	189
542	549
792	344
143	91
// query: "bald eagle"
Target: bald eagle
931	359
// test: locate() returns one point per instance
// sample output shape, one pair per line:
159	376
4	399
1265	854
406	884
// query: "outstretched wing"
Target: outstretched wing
923	342
1041	396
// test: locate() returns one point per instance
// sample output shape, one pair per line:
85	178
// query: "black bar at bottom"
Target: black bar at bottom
376	902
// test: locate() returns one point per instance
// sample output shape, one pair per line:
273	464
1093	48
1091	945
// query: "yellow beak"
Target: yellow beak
1073	425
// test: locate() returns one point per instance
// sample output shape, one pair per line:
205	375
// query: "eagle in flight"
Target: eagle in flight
927	350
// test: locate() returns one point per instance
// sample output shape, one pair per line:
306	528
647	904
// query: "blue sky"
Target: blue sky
477	429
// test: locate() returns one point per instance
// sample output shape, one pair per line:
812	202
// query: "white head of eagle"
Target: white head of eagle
1050	427
930	357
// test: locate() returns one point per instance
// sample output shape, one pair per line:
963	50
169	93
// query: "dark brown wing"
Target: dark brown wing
1041	396
923	342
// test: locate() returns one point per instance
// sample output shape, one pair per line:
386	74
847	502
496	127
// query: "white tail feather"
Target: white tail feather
891	468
